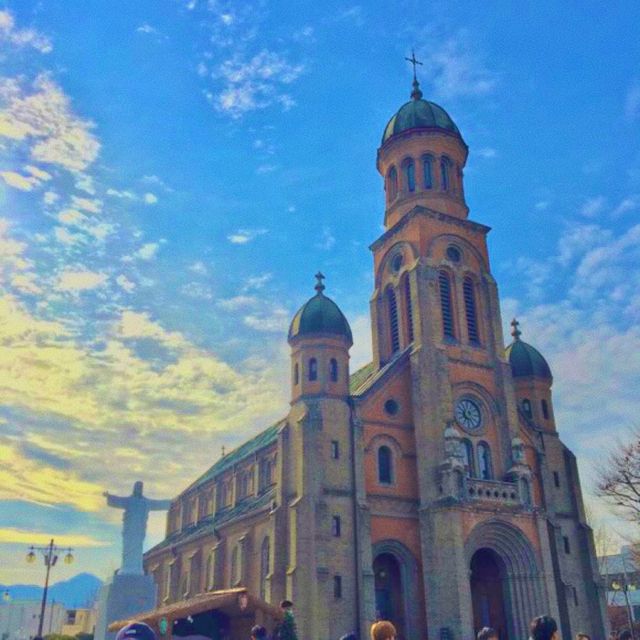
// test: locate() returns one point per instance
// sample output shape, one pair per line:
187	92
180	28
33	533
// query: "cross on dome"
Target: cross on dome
515	332
416	94
319	285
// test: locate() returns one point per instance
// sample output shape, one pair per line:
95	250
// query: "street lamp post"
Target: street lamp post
625	587
50	555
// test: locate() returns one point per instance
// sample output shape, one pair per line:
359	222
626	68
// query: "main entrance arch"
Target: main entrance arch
396	587
506	584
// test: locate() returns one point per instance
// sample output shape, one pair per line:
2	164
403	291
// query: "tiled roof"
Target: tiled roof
263	439
357	379
209	524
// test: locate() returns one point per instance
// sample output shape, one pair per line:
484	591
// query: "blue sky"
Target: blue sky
173	173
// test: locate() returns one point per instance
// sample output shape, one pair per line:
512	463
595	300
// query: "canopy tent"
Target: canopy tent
219	615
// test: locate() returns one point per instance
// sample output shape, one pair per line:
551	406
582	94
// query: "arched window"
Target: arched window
265	552
385	465
409	176
333	370
445	304
545	409
209	578
392	184
296	374
427	172
467	456
408	307
470	309
484	461
525	492
235	567
393	320
444	174
526	408
313	369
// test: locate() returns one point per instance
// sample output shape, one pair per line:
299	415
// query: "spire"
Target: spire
319	285
515	332
416	94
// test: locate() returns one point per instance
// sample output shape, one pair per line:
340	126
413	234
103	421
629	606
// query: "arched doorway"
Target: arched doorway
504	568
487	592
390	597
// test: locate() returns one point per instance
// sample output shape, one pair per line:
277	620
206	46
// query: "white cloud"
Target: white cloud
255	283
124	283
199	268
629	203
76	281
276	320
243	236
487	152
457	69
22	37
147	251
266	168
254	83
197	290
41	116
128	195
50	197
593	207
542	205
238	302
18	181
150	198
38	173
87	204
327	241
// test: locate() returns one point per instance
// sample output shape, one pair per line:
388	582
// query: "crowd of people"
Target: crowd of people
541	628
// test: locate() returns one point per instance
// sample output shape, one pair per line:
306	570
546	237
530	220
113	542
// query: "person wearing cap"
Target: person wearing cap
136	631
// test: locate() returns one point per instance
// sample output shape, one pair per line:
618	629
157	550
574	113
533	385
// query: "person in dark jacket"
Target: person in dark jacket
544	628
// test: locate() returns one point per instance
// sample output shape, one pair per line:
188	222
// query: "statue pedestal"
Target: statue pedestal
122	597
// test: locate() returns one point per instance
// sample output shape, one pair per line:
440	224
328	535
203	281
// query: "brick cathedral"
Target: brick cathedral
430	487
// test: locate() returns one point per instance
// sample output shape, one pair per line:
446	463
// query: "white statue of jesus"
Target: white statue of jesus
134	525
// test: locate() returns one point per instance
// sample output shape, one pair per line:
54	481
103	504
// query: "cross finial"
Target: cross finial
515	332
319	285
223	452
416	94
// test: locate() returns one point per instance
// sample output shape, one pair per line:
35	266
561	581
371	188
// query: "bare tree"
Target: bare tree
619	478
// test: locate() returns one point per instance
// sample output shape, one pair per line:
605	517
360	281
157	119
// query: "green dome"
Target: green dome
419	114
524	359
320	315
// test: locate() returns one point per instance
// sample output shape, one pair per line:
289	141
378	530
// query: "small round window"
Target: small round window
391	406
396	262
453	254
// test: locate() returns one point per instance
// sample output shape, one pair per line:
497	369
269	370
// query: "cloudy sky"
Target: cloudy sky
173	173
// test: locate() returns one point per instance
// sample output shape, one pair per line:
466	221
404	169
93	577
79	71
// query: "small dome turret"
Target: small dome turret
525	360
320	316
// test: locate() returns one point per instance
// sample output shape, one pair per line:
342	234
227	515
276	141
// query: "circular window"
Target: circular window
391	407
453	254
396	262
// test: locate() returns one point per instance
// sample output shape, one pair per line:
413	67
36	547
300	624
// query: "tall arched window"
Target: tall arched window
445	304
385	465
333	370
409	175
526	408
545	409
296	373
313	369
408	306
467	456
470	309
394	327
445	178
392	184
235	567
484	461
209	579
265	552
427	172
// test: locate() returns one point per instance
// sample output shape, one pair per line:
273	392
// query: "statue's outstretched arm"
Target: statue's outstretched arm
115	501
158	505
